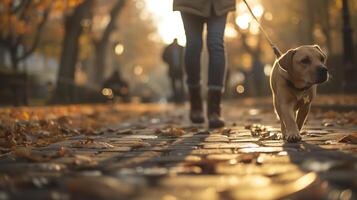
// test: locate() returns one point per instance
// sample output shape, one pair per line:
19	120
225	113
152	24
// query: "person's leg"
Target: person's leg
174	89
215	44
216	70
182	90
193	28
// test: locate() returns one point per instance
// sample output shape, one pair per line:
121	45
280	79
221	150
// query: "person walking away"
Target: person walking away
173	56
213	13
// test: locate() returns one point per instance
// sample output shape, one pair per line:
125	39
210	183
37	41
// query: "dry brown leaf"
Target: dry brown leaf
351	138
175	132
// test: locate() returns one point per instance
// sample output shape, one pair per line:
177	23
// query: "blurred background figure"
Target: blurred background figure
173	56
115	86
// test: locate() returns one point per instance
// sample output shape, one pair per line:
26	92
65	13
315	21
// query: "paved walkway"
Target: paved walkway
160	155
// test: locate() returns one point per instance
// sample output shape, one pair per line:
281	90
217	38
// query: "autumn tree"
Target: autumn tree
23	23
74	24
101	43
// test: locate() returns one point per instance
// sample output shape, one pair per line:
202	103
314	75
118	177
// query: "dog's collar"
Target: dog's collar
291	85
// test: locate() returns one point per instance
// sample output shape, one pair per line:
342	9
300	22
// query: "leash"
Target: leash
276	50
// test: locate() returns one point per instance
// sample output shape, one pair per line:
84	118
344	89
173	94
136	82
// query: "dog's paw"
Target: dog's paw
292	138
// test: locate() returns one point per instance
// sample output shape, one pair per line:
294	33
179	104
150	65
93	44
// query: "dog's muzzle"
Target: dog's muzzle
322	74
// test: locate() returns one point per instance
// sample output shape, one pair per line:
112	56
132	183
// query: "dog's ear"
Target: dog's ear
286	60
321	52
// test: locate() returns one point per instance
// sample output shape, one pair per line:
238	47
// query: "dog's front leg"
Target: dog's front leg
287	115
302	115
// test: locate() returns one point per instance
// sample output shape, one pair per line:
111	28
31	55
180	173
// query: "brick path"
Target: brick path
163	156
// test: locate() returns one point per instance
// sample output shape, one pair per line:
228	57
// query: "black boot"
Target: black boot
196	111
214	109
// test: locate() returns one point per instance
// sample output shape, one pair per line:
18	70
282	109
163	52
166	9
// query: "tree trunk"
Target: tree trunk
15	87
349	83
13	58
69	56
102	44
326	25
310	21
2	57
100	52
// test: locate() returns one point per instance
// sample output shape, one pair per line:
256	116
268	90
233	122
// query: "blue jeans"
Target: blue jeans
215	43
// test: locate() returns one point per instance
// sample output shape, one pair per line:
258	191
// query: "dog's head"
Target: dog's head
305	65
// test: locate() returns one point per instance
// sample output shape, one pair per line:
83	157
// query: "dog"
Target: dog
293	81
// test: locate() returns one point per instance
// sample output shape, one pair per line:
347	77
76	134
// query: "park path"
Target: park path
158	154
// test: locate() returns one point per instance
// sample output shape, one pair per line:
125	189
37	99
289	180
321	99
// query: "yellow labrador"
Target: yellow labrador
293	82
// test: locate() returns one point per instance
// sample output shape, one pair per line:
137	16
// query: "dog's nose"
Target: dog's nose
322	70
322	74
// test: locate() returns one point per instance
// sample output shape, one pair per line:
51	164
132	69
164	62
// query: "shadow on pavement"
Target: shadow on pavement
335	171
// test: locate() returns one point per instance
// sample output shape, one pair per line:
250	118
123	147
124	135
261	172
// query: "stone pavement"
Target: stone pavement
163	156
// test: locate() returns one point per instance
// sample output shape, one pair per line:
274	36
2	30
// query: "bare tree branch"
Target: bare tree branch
21	13
38	34
112	22
113	15
21	7
102	43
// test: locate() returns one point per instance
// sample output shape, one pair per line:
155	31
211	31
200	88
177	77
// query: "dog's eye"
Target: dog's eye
306	60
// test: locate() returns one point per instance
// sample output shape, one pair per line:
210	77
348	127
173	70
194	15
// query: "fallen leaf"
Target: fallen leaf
62	151
175	132
351	138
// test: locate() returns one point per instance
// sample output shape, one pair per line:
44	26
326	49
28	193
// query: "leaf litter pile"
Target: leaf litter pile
42	126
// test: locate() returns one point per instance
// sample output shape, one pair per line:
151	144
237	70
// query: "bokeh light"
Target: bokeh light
107	92
267	69
138	70
244	19
230	31
240	89
119	49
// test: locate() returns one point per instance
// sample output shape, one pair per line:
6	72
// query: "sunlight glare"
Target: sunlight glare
258	10
244	19
230	32
254	28
169	23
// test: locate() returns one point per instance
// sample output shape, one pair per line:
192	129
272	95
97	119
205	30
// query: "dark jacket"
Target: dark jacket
204	8
173	55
